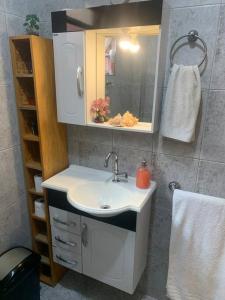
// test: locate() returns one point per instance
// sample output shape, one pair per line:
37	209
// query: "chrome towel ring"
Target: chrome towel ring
174	185
192	37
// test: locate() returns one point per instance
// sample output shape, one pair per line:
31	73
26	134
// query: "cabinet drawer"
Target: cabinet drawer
67	259
65	220
66	240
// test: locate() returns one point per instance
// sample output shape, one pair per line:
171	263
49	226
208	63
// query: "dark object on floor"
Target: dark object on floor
19	275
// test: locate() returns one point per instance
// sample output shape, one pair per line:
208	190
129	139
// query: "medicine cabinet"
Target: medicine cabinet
108	77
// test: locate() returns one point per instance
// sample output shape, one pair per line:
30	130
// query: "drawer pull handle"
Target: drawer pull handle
84	234
57	238
79	81
63	223
70	262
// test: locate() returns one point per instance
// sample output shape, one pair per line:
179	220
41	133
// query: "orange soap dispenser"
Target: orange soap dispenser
143	176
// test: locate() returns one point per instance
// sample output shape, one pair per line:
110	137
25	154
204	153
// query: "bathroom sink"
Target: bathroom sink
93	191
101	198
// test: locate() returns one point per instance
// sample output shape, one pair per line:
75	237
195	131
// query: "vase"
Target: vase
99	118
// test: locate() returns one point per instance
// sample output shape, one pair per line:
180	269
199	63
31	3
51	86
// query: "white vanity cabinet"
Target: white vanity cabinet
69	77
108	253
111	254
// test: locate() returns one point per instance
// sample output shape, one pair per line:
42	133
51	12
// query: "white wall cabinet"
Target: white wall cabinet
80	78
69	77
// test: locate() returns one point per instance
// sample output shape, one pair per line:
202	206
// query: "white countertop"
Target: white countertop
88	189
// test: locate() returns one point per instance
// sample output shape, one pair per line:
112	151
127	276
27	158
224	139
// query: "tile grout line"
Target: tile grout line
215	47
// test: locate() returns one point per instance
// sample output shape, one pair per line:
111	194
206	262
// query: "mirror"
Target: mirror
130	76
126	77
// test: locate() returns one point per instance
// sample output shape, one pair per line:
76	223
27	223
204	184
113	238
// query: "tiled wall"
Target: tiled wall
199	166
14	229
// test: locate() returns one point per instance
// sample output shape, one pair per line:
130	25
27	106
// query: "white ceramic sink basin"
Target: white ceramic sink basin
93	191
101	198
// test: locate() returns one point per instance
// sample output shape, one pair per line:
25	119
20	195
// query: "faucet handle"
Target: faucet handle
122	176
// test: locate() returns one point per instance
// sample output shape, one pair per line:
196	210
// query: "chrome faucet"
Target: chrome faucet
116	174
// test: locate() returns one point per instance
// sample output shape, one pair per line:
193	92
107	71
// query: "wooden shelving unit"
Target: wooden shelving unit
43	139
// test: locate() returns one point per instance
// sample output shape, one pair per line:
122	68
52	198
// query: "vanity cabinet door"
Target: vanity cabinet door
69	76
108	253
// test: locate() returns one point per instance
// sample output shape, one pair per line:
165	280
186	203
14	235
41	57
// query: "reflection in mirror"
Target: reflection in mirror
122	77
130	64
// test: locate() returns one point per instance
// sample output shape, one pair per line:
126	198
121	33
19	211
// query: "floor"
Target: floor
78	287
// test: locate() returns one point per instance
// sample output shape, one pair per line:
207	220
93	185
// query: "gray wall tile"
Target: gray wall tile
142	141
2	5
73	144
218	73
5	68
182	20
95	135
92	155
13	213
130	159
153	280
14	227
211	179
9	135
214	133
17	7
14	25
171	168
46	29
184	3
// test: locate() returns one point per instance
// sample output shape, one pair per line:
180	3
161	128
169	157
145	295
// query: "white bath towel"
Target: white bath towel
197	248
181	104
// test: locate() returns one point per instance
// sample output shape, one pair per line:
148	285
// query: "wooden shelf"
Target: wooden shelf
33	192
27	107
40	237
35	165
31	137
38	218
45	260
21	75
33	74
46	279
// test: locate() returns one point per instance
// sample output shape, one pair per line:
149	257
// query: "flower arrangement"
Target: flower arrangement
100	110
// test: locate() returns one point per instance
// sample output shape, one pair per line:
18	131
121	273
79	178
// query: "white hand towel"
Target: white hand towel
181	105
197	248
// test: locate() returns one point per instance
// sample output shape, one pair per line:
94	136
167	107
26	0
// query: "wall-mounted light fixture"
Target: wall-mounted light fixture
130	43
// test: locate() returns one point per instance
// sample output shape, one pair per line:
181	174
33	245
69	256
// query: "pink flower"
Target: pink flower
101	106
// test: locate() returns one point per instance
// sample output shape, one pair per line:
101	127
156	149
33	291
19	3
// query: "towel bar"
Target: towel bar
173	185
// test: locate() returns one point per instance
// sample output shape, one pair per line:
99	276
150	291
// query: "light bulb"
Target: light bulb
134	48
124	44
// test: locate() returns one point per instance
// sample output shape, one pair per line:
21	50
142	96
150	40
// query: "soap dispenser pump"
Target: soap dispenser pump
143	176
